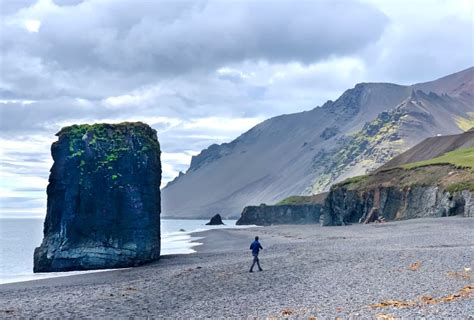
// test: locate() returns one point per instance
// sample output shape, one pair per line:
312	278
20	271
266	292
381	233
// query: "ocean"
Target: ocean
19	238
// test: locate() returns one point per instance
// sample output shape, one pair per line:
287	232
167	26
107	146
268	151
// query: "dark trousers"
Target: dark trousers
255	261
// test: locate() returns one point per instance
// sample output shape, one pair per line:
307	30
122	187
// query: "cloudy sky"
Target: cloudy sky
200	72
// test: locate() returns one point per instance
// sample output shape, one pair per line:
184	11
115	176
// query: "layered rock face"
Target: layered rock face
393	199
103	199
264	215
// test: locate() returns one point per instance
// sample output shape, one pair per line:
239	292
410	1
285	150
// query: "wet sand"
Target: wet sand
381	270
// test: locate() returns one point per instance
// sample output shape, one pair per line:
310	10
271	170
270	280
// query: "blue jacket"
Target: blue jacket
255	247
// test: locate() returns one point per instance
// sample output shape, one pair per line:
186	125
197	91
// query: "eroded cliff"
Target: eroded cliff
264	215
402	193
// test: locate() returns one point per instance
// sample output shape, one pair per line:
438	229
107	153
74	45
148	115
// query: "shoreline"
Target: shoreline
173	243
308	271
194	236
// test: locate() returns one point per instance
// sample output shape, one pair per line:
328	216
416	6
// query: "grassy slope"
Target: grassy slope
461	158
298	200
453	170
424	173
292	200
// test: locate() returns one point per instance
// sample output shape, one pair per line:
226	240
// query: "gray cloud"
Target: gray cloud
67	2
93	44
422	43
8	7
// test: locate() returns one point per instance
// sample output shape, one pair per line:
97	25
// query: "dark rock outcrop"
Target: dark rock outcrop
103	199
264	215
215	221
329	132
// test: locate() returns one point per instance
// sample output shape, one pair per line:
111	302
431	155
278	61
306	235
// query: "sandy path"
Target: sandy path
308	271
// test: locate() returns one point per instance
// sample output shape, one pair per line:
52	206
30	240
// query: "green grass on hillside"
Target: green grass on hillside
460	186
353	181
462	158
423	173
301	200
465	123
292	200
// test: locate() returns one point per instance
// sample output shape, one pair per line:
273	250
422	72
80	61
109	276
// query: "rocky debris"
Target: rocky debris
103	206
329	132
375	144
373	215
215	221
264	215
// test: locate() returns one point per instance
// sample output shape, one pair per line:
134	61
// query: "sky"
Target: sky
199	72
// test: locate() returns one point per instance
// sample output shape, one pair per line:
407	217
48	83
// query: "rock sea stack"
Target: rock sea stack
215	221
103	206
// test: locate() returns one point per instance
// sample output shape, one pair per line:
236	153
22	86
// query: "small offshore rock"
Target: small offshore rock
215	221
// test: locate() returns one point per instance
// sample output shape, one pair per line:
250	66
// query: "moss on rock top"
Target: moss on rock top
107	143
112	134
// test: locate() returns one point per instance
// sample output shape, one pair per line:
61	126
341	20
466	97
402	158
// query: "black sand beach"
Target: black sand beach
408	268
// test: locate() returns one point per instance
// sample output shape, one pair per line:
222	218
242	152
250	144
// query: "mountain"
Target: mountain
434	178
306	152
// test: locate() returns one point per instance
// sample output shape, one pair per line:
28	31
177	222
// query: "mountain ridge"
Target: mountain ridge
276	158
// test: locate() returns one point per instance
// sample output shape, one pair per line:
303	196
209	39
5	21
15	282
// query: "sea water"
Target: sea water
19	238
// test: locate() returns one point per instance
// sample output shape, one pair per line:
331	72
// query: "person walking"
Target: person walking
255	247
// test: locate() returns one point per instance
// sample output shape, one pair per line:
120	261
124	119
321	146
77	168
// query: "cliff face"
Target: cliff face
348	206
397	194
103	206
264	215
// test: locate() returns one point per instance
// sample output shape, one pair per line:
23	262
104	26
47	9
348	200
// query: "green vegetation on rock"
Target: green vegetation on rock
292	200
460	186
108	142
461	158
301	200
377	142
353	181
465	123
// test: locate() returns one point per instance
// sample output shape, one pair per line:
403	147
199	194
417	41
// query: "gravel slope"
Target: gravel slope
308	271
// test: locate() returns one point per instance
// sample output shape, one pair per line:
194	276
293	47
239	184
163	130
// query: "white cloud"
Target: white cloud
13	101
233	75
32	25
222	124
